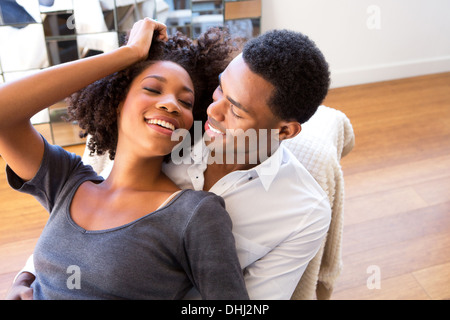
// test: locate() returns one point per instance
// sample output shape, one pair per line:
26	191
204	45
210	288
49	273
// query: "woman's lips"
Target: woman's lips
162	124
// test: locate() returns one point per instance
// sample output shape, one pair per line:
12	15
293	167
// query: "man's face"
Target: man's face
240	107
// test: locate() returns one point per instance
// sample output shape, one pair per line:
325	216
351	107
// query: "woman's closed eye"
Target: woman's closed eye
187	104
152	90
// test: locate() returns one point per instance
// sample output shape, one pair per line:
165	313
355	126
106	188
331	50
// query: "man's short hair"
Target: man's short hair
297	69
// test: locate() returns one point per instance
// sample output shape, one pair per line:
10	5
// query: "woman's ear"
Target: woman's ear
289	129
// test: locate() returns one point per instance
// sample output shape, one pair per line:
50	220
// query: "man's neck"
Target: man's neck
221	164
214	172
217	170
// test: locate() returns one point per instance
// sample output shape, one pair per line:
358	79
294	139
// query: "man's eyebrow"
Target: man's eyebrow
234	102
162	79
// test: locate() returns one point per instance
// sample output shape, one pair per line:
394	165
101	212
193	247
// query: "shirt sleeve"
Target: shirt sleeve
276	275
56	168
211	252
29	267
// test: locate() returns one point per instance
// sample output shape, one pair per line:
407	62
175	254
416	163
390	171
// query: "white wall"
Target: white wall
370	40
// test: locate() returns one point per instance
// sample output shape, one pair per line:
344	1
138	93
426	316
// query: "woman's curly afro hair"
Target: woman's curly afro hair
297	69
95	106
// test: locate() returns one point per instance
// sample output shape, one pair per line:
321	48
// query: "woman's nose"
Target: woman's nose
169	105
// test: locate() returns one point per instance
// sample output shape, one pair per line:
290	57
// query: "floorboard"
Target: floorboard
397	189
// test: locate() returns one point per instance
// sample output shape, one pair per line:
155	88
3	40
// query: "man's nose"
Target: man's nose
217	109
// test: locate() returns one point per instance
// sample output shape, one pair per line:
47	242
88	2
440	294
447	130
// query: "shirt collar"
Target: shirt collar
200	152
266	171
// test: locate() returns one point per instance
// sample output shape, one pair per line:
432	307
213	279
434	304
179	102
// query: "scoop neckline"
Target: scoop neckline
101	231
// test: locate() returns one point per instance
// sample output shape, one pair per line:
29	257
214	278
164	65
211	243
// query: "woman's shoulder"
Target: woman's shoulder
201	197
203	206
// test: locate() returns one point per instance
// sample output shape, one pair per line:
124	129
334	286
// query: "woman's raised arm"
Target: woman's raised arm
20	144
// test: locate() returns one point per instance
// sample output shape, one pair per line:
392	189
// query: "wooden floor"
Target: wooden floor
397	215
397	178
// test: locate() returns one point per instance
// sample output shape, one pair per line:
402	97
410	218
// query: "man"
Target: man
280	214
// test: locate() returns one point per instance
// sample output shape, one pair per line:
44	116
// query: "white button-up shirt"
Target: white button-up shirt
280	217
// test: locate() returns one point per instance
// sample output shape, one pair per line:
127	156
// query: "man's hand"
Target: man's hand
20	290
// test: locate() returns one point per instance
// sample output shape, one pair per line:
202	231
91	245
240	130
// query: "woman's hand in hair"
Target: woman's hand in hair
141	36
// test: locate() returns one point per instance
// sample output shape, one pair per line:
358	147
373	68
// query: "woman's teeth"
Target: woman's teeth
161	123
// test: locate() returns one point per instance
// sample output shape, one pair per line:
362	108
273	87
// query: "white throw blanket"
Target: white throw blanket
324	140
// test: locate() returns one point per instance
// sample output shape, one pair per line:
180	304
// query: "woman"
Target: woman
134	235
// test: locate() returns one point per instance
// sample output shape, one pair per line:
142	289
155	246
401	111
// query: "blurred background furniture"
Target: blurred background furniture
35	34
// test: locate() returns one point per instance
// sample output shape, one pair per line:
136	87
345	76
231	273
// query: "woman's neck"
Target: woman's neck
140	174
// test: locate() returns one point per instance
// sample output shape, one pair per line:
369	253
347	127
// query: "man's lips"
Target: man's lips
211	130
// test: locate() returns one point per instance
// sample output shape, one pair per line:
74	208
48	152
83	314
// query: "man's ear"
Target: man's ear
289	129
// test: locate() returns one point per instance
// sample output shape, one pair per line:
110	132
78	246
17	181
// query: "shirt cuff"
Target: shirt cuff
29	267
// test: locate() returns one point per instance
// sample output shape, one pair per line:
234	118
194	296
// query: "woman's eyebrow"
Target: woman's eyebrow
162	79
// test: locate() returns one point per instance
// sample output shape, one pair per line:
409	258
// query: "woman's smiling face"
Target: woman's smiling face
159	101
